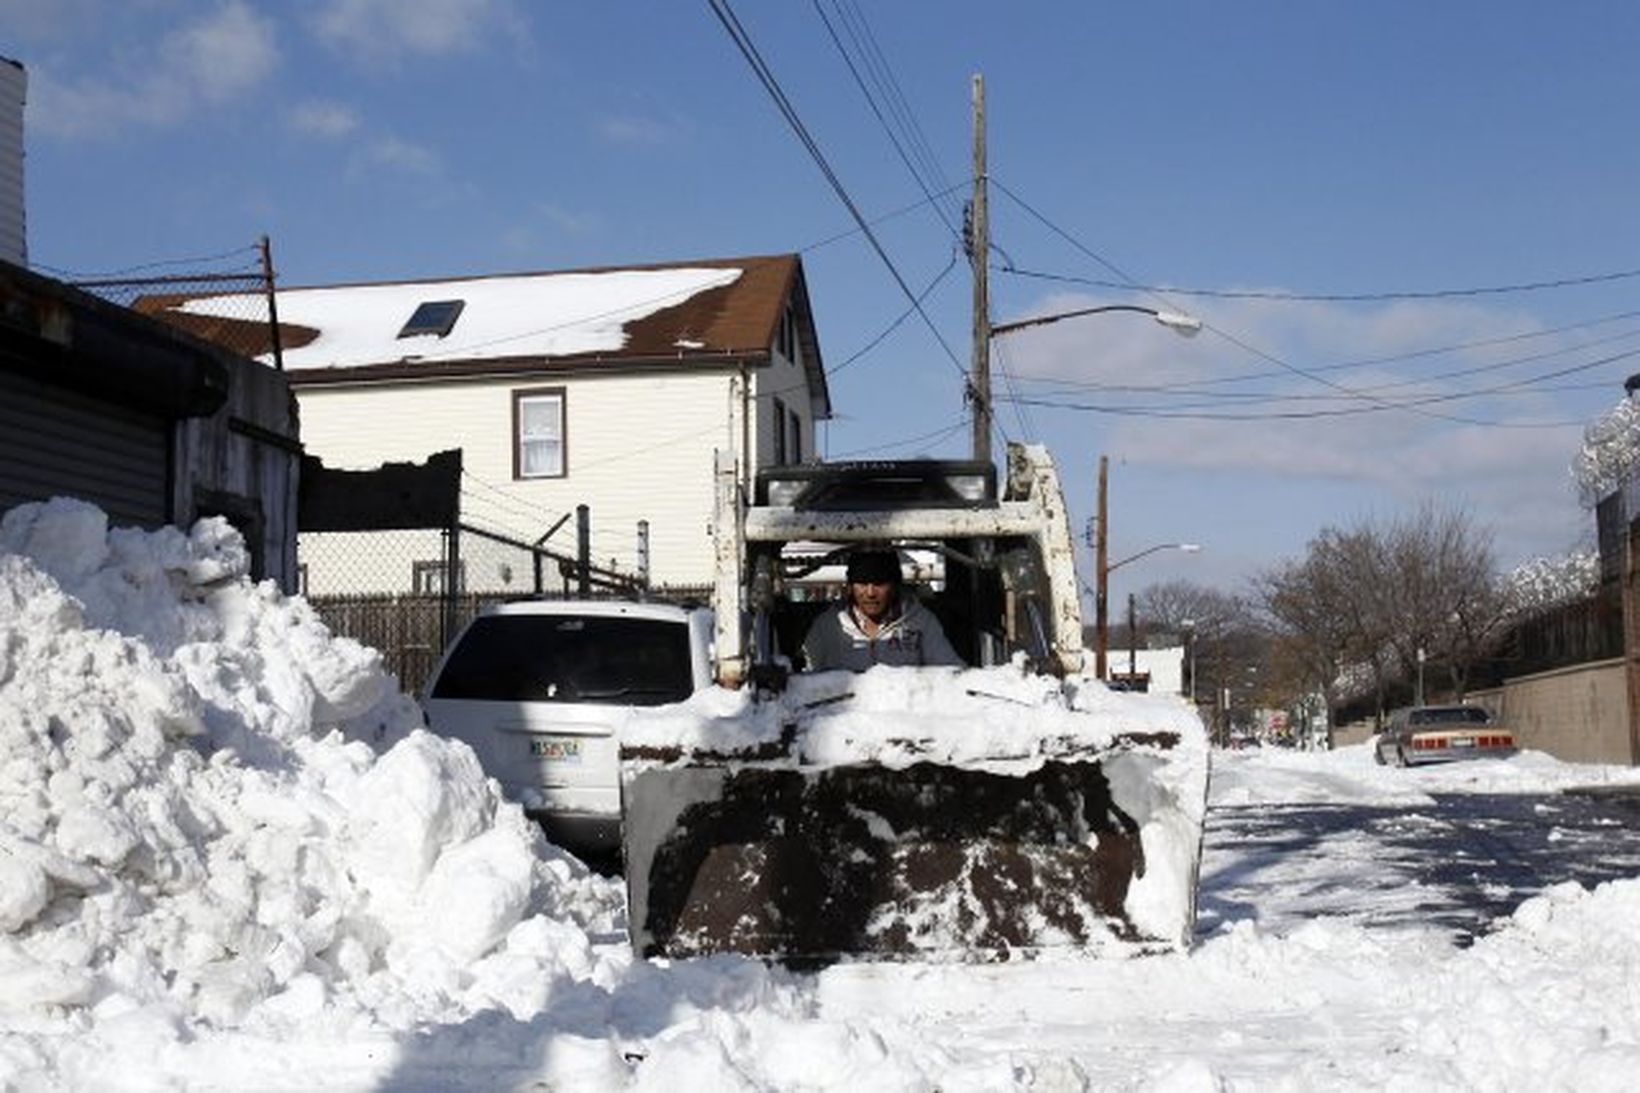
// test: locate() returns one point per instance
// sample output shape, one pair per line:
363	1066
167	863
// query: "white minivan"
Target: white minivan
537	688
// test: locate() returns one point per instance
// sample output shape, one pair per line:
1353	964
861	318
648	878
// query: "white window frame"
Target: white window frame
540	395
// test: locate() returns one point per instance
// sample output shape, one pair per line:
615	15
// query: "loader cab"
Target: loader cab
964	551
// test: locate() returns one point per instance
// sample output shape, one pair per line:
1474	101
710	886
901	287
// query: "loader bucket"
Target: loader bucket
775	854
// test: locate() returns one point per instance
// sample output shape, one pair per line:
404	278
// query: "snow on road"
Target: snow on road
230	860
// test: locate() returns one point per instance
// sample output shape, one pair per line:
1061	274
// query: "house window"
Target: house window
433	317
786	339
430	578
797	438
538	433
779	433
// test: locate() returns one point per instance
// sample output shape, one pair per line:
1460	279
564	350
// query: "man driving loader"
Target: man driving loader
878	622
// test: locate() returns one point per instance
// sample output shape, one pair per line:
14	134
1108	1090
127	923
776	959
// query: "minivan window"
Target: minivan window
569	658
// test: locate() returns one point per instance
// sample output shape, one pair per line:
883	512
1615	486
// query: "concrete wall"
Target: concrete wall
1578	714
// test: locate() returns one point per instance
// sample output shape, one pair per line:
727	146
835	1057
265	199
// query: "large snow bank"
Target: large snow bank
212	810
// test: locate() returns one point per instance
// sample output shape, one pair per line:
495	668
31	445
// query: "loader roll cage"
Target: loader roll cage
1007	581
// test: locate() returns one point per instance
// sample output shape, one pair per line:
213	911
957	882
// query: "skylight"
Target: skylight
433	317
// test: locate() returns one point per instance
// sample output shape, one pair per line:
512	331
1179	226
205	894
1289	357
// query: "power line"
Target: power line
1131	284
1208	383
861	31
1161	296
876	109
1515	387
931	438
885	218
766	77
1328	297
893	326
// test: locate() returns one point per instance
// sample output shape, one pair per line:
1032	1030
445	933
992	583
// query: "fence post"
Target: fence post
273	304
583	551
1631	636
452	584
643	554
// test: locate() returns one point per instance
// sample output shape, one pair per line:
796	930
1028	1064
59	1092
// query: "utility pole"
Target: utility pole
1101	640
979	254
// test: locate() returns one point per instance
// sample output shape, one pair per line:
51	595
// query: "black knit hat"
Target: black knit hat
874	566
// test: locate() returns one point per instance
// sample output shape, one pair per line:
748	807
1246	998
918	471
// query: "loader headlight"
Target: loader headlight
784	491
969	487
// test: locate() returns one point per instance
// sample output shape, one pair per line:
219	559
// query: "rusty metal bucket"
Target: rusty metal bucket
807	864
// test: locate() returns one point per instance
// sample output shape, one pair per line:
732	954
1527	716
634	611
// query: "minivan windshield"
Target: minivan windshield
569	658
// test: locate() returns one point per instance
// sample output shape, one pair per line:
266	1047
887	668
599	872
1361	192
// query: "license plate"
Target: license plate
556	751
1462	742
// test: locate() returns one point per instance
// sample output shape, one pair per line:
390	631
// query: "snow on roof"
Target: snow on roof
527	315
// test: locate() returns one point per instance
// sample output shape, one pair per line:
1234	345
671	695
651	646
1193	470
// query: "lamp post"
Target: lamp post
1182	324
985	330
1100	625
1189	627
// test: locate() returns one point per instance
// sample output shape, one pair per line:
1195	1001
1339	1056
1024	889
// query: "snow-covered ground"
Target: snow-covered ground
229	859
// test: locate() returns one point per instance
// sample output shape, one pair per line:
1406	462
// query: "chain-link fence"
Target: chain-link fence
406	592
239	309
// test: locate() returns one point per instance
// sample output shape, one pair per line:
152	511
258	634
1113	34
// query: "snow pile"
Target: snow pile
984	717
1351	775
194	827
230	859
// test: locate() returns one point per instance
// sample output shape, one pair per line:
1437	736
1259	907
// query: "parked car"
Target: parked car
1438	734
537	689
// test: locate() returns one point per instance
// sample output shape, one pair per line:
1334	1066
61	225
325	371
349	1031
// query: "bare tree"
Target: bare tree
1388	597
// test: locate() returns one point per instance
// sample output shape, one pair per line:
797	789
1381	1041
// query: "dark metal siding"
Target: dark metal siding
57	442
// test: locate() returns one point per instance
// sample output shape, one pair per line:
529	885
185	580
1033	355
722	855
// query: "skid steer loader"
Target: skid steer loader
1010	807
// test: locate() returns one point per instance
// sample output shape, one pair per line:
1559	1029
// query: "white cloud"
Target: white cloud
223	54
640	131
402	155
1516	478
389	29
210	61
324	119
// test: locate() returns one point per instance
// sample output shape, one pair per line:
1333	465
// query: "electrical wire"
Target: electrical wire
885	218
929	438
877	111
1329	297
1201	385
1292	415
895	325
737	33
1131	284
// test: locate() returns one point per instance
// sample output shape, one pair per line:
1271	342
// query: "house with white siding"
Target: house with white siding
608	387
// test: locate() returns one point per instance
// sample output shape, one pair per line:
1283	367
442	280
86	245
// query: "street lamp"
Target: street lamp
1103	571
984	330
1187	325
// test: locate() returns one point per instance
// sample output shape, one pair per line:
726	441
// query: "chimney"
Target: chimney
13	93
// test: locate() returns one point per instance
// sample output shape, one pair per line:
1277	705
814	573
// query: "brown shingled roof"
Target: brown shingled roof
740	318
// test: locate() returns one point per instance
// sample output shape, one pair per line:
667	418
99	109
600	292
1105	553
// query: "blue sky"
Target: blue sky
1409	153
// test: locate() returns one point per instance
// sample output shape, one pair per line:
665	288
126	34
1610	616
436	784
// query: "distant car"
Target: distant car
1439	734
537	688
